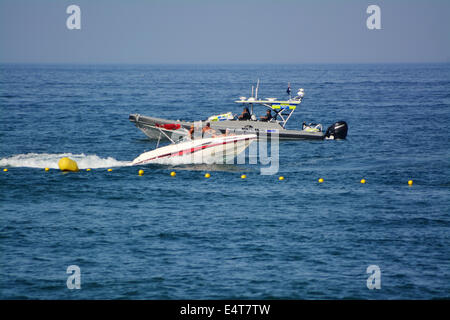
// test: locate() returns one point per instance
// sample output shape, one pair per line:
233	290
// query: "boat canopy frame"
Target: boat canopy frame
278	106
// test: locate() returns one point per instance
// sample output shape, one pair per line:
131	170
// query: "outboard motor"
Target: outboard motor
337	130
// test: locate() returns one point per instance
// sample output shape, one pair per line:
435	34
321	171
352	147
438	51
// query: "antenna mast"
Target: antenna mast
256	91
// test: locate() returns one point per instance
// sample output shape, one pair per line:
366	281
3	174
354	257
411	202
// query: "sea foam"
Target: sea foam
47	160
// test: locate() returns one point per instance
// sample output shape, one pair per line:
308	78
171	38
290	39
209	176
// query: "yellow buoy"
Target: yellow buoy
88	169
281	178
410	183
66	164
109	170
243	176
141	172
320	180
46	169
207	175
173	174
363	181
5	170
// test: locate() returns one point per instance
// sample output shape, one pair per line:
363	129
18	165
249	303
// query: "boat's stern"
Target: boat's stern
337	131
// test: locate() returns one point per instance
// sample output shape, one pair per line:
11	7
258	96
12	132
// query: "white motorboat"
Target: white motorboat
209	150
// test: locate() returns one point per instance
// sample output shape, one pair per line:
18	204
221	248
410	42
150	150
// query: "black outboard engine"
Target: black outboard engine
337	130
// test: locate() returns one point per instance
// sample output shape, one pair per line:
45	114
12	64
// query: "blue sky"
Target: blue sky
244	31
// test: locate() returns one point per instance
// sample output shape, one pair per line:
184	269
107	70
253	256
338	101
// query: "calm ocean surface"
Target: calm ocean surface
187	237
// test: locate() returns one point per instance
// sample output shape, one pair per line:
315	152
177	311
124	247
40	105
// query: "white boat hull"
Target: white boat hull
216	150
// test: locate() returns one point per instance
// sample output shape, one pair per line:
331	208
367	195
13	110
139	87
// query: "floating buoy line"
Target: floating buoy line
66	164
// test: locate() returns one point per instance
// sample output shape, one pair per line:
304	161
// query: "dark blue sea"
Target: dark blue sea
188	237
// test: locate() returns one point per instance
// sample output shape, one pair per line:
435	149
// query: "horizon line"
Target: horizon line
218	63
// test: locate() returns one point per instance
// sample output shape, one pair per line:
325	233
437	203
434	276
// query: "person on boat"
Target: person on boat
267	117
191	132
245	114
208	131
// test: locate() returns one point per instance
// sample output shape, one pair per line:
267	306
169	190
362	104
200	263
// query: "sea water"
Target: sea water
187	237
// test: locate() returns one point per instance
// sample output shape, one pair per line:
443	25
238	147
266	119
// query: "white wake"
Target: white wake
47	160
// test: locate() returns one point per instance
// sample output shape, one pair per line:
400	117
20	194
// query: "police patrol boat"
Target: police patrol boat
283	110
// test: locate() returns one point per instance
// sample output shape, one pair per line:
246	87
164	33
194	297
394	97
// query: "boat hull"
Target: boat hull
216	150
